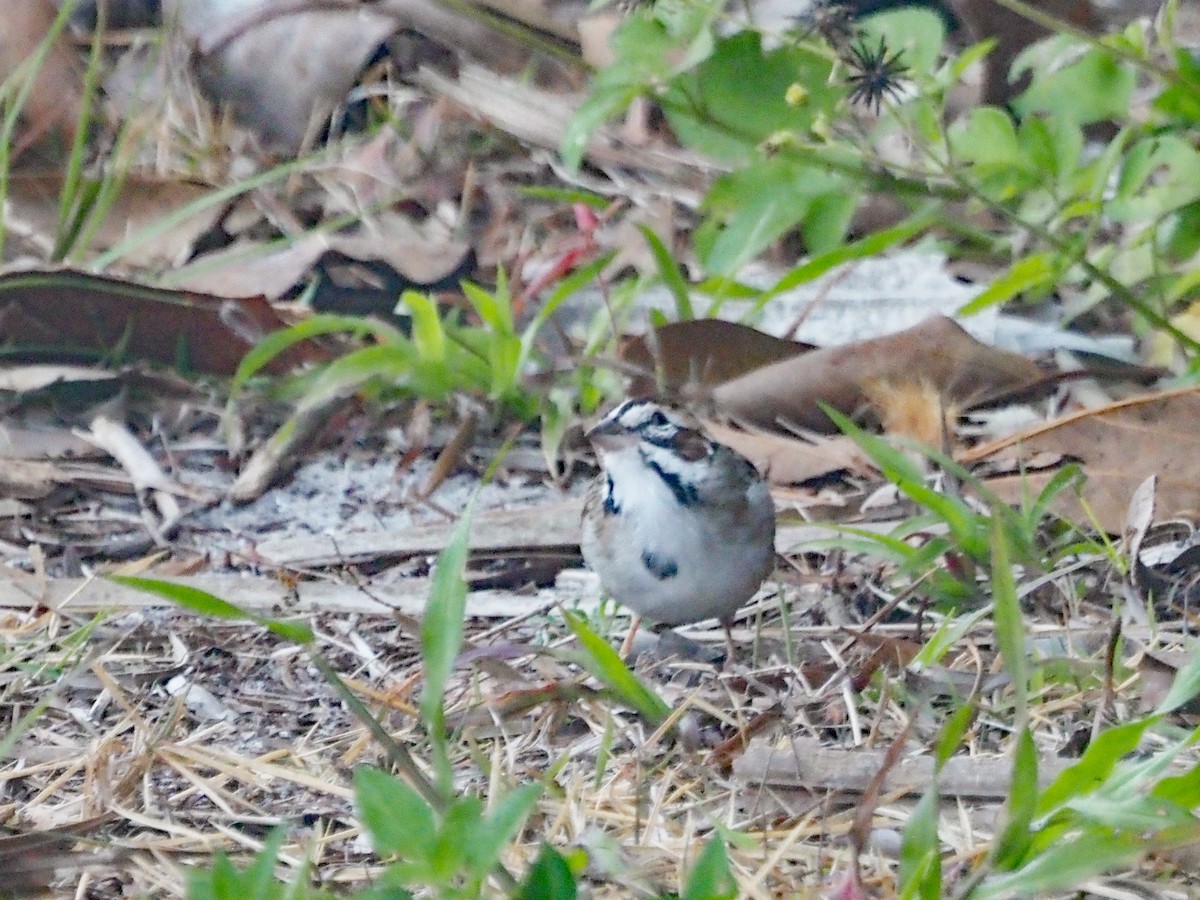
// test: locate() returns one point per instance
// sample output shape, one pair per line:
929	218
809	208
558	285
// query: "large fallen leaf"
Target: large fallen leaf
937	354
702	352
69	315
280	69
791	460
1119	447
51	108
144	217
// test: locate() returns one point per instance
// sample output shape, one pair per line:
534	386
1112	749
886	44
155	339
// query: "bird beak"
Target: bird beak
610	436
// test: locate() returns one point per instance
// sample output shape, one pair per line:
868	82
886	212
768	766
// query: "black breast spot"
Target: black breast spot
661	567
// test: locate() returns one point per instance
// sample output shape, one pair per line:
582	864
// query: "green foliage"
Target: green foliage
550	878
1107	811
452	851
801	160
711	877
206	604
437	357
970	534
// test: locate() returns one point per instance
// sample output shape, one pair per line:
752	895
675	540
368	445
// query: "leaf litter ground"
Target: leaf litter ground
165	737
186	735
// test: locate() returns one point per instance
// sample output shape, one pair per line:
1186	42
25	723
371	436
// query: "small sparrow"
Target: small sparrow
678	527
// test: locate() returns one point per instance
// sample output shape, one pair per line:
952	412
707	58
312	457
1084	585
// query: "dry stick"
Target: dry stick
1108	697
885	610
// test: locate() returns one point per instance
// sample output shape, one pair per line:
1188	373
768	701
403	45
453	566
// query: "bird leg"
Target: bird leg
627	645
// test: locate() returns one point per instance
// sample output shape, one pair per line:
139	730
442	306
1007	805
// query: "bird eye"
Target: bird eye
658	420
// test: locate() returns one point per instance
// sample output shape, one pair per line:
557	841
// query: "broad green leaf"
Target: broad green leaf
750	208
428	335
827	219
711	877
396	817
1064	864
1094	88
987	138
1146	815
1175	166
1180	99
206	604
500	826
550	878
916	33
1095	766
442	627
1183	790
455	835
737	98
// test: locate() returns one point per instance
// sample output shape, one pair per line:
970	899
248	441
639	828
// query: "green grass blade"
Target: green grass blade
606	665
206	604
671	276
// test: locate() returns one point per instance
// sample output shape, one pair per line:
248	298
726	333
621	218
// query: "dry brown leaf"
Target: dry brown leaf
245	268
280	69
140	208
79	315
52	107
702	352
1119	447
1158	670
938	352
790	460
